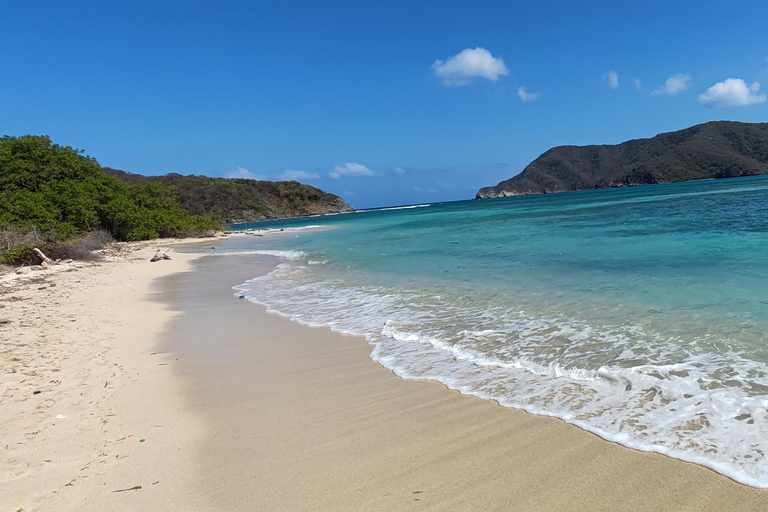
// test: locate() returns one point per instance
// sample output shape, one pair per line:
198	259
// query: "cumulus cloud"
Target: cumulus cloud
613	79
350	169
290	175
674	84
733	92
468	64
242	172
527	96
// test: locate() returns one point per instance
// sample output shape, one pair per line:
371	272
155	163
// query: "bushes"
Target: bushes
51	189
10	238
80	248
21	255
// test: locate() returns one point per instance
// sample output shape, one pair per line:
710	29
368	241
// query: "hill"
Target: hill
239	199
718	149
54	193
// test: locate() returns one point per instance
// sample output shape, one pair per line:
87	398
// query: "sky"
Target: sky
383	103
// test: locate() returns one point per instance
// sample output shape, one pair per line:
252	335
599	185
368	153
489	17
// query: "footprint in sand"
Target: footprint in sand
14	467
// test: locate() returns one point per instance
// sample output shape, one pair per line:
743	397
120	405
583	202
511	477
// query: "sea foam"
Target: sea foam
697	408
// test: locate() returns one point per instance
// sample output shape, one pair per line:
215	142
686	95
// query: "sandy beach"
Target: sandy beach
128	374
88	405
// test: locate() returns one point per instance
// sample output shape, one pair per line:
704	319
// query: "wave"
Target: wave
396	208
624	383
288	255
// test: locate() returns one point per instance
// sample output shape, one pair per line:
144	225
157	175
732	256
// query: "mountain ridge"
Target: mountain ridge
236	200
713	150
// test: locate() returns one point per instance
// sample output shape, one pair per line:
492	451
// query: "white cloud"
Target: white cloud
674	85
732	93
638	83
527	96
242	172
468	64
290	175
613	79
398	170
350	169
430	190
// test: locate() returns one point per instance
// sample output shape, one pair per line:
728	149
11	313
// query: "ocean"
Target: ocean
639	314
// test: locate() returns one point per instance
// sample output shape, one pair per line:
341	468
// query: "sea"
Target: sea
639	314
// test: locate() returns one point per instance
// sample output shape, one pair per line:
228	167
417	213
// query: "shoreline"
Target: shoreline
302	418
165	380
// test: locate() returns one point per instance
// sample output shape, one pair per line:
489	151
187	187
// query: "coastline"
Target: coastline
301	418
167	381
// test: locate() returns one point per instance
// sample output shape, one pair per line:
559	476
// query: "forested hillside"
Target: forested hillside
718	149
239	199
58	193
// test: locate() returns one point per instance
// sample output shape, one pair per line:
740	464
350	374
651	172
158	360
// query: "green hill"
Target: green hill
718	149
239	199
56	193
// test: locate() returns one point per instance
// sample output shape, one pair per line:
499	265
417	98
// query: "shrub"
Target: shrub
80	248
47	188
21	255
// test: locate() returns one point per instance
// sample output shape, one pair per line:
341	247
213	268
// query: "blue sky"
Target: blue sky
384	103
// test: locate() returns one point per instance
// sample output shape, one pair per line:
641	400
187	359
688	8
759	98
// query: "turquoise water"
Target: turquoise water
639	314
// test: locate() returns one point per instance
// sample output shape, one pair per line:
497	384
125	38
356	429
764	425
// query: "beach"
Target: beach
88	404
161	390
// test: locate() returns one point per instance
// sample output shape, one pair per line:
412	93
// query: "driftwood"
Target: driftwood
46	261
160	256
42	256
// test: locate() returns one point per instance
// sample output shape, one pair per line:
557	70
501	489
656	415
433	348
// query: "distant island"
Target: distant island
718	149
241	200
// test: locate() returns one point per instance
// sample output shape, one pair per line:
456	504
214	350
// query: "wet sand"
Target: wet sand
301	418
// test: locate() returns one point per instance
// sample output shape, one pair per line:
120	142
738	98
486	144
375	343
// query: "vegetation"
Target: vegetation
239	199
719	149
54	194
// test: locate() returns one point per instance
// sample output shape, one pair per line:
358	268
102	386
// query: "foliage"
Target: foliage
10	238
80	248
239	199
718	149
55	190
18	255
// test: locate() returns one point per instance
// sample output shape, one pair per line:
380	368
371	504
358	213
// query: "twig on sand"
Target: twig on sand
134	488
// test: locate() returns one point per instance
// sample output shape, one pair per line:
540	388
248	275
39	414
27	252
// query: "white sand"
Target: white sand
81	387
242	410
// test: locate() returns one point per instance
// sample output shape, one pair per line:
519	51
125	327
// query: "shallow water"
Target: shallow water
639	314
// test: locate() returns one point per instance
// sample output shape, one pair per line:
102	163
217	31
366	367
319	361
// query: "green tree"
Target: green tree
57	191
